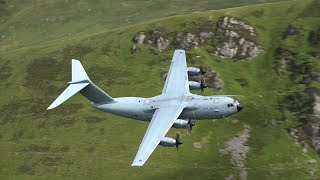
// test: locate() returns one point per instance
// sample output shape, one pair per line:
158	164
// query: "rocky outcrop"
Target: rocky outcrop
232	43
153	38
313	129
231	22
238	149
139	38
190	40
231	38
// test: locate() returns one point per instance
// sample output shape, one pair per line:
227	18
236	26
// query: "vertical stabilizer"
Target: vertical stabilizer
78	72
80	81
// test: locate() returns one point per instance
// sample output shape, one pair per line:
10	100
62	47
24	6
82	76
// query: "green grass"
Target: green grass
30	23
75	141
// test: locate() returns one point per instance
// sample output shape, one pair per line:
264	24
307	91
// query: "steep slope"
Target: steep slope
75	141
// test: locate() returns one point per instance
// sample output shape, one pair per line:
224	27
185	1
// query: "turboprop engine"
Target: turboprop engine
181	123
170	142
193	71
193	85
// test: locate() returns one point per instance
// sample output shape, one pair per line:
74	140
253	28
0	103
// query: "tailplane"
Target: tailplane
80	82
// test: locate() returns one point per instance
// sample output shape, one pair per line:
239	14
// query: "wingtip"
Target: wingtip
50	107
136	165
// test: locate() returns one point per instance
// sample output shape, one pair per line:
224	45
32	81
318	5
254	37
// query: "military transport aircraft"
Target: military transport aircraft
175	107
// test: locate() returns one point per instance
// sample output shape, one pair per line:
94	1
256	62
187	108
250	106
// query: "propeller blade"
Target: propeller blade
202	71
191	123
202	84
178	140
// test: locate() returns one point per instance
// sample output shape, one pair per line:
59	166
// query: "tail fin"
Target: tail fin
81	82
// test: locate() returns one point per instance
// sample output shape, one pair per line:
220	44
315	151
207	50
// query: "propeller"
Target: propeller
202	71
178	140
191	123
202	84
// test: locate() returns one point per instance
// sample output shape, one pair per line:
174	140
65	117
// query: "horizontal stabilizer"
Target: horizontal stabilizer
71	90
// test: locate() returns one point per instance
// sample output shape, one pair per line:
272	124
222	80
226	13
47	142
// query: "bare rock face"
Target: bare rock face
162	43
139	38
231	22
313	129
153	38
190	40
233	45
316	107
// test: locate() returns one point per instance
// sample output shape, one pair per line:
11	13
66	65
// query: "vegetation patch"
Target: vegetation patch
75	52
27	167
5	70
94	119
42	74
311	10
242	82
51	160
17	135
314	37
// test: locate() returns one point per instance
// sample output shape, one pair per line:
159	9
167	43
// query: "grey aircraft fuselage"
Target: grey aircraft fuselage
197	107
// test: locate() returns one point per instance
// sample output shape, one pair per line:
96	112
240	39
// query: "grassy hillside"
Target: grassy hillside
75	141
25	23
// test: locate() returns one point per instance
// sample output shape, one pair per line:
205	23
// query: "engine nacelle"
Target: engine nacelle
192	71
180	123
168	142
193	85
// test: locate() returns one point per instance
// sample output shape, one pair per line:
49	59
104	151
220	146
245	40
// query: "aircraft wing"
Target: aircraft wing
160	124
177	79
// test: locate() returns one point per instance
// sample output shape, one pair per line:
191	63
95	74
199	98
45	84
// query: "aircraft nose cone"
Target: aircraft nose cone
239	107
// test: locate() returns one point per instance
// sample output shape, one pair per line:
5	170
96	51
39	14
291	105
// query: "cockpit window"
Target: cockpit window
230	105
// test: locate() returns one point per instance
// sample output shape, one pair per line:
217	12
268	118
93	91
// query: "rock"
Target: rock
312	161
162	43
189	40
235	121
233	34
139	38
205	36
197	145
229	41
230	177
316	107
135	49
232	45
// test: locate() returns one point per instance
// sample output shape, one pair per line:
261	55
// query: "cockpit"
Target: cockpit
230	105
